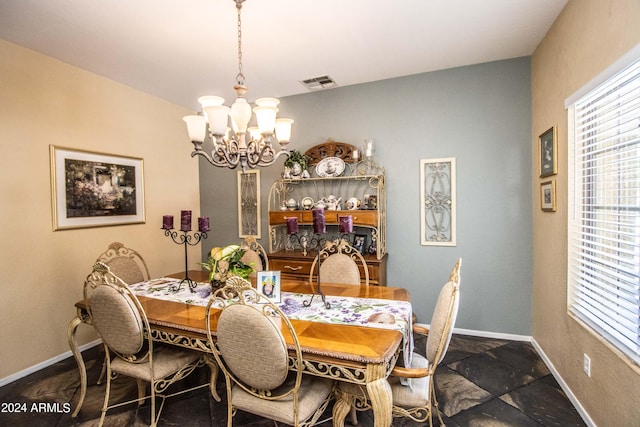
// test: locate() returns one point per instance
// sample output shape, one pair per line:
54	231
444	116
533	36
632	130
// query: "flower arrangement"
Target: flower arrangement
226	262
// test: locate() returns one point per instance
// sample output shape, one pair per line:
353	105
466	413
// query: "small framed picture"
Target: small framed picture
359	242
268	284
547	150
371	201
548	196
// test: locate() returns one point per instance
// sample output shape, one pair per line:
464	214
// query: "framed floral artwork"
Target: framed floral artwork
90	189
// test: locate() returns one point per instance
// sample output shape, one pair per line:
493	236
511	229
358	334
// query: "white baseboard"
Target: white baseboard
35	368
485	334
495	335
576	403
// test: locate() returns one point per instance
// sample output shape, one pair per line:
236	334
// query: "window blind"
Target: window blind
604	215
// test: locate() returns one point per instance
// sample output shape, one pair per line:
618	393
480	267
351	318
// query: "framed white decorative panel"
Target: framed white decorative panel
249	204
438	202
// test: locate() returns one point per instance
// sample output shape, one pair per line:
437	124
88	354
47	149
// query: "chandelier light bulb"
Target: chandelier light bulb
210	100
196	127
267	102
218	118
266	118
283	130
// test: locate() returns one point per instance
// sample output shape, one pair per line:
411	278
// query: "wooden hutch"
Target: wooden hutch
359	182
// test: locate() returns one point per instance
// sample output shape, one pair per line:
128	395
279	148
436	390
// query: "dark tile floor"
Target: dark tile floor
481	382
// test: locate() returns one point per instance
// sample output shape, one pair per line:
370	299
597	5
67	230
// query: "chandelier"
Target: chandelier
248	147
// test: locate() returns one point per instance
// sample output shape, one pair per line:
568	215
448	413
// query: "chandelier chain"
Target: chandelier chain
240	76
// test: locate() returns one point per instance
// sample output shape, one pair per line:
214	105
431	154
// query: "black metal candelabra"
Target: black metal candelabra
318	241
185	239
303	241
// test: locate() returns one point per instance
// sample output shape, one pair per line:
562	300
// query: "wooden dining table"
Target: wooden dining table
343	352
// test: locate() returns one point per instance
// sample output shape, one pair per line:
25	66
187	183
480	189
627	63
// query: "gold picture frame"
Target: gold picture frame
548	152
90	189
548	196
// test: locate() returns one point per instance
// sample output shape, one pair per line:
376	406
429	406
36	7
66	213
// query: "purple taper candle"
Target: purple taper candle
203	224
292	225
185	220
167	222
319	226
346	224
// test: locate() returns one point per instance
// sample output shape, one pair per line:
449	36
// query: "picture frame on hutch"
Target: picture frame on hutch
90	189
547	152
360	242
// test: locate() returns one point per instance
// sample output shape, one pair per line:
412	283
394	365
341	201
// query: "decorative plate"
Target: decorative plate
330	166
307	203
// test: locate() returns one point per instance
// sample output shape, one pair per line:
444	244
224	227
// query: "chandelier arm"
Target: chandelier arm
275	158
206	156
254	154
228	157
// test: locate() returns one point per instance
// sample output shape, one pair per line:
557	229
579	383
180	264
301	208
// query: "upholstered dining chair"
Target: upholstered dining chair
255	255
339	264
415	399
258	351
121	323
126	263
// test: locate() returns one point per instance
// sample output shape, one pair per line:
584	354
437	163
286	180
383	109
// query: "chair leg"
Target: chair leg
434	404
106	395
354	416
341	408
154	416
142	388
214	370
104	370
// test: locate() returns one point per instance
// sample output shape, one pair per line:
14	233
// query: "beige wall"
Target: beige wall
588	36
42	102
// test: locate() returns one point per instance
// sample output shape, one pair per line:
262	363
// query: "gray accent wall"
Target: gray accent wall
479	114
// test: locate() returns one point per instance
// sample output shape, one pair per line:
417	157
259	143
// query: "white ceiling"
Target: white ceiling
181	49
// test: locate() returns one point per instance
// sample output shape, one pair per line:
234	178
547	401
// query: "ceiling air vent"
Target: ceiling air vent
318	83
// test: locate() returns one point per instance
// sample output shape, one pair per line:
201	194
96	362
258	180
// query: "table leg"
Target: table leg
380	395
381	402
73	344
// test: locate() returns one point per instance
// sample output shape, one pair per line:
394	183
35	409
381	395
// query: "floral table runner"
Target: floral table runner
368	312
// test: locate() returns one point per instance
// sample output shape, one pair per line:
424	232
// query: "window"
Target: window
604	210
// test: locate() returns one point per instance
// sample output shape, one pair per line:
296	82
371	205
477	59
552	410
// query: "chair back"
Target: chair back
250	345
116	314
339	264
255	255
125	262
444	317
